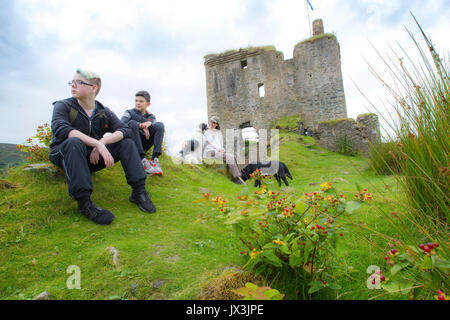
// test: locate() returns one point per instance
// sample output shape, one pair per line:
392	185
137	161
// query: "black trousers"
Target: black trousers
156	131
73	157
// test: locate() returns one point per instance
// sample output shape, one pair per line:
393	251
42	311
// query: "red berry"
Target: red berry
426	249
325	231
373	281
441	297
386	258
421	246
430	245
440	292
382	278
324	282
436	245
394	251
341	234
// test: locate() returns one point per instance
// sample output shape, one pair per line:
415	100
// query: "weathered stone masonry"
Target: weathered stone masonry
308	85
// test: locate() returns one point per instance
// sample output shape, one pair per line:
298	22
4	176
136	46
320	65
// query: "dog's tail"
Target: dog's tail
288	174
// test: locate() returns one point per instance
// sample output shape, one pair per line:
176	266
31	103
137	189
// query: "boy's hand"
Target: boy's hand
101	150
145	125
147	133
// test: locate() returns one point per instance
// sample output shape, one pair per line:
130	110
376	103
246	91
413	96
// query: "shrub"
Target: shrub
36	152
345	146
293	237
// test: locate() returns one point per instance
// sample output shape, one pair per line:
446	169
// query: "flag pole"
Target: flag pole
309	21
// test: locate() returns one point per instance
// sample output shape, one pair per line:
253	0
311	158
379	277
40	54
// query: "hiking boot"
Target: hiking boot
148	167
143	201
156	167
96	214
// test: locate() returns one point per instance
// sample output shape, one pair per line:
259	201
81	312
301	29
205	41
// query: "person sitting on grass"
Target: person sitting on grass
79	146
146	132
214	149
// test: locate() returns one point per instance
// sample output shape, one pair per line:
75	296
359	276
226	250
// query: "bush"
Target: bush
345	146
37	153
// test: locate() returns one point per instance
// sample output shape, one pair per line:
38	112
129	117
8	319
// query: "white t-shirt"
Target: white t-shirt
214	140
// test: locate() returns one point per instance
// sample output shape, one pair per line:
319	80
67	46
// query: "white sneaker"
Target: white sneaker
148	167
156	167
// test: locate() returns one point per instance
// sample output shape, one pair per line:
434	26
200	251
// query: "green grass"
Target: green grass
42	233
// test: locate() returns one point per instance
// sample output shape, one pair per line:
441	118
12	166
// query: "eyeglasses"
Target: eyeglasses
79	83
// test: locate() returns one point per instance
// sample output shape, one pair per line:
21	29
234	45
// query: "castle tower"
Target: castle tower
253	86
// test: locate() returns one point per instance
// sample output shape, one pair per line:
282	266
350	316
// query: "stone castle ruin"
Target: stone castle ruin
251	87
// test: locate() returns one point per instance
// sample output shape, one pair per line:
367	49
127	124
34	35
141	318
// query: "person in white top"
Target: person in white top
214	149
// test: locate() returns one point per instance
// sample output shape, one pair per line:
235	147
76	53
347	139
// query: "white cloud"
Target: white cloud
159	46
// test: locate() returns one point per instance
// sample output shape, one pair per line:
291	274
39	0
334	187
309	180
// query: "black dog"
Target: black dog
276	168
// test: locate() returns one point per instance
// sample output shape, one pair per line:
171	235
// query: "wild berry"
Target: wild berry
373	281
436	245
421	246
324	282
382	278
440	297
427	249
430	245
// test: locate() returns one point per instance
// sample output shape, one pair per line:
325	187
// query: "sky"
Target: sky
159	46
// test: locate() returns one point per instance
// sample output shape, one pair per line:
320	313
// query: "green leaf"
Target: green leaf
426	264
271	293
334	286
315	286
285	249
251	286
441	264
396	268
273	259
398	286
295	260
352	206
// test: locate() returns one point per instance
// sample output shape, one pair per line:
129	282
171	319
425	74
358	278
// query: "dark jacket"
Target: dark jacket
104	120
134	114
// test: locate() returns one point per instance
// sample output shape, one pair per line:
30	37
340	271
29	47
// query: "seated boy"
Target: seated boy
79	146
145	132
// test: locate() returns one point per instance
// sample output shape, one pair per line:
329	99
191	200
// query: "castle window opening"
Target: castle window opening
244	64
261	91
249	134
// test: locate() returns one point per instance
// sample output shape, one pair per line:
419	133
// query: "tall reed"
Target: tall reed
420	125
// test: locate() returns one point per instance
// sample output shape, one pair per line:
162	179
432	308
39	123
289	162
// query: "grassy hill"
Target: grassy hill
10	157
172	253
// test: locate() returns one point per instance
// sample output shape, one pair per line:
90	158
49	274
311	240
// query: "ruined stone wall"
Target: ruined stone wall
232	91
360	133
309	85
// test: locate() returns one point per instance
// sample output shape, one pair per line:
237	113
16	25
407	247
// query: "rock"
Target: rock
158	283
39	167
43	296
205	190
133	289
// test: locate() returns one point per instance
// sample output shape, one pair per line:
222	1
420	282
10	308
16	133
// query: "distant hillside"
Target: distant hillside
10	156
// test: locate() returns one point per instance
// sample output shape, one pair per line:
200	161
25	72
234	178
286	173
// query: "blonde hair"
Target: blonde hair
93	78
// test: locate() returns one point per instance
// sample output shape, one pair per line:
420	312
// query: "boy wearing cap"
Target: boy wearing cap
79	146
145	132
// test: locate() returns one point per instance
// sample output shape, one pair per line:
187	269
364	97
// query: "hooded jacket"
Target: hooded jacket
135	114
104	120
